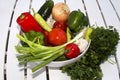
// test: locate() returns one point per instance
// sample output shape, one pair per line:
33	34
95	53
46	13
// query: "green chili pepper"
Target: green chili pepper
41	21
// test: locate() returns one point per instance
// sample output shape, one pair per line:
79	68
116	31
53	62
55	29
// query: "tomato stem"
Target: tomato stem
22	16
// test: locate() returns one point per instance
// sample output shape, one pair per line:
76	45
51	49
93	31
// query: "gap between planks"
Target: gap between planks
47	70
7	40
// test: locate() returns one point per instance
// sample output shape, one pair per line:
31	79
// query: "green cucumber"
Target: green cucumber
46	9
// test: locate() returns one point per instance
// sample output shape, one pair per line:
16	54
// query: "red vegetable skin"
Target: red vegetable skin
72	51
27	23
46	38
60	24
57	37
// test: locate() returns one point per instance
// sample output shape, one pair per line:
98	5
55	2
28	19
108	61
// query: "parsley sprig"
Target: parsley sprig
103	45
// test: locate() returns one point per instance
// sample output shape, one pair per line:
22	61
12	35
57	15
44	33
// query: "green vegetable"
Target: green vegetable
41	21
35	52
81	71
68	32
88	33
36	37
46	9
85	21
75	21
104	42
103	45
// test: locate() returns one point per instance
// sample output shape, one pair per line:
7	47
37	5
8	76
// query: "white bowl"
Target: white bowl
66	62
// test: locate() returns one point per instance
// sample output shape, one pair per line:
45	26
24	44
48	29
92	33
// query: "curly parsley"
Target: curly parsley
103	45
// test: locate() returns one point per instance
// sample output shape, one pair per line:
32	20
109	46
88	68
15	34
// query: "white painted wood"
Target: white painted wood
41	74
111	19
118	55
117	8
14	71
94	14
109	71
75	5
116	5
56	74
109	14
5	14
57	1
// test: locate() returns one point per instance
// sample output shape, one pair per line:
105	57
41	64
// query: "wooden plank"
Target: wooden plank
96	16
14	71
116	7
94	13
101	17
110	71
41	74
75	5
109	14
6	8
57	1
113	20
118	57
53	73
56	74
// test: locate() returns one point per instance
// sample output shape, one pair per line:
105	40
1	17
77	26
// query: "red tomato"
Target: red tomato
46	38
57	37
60	24
72	50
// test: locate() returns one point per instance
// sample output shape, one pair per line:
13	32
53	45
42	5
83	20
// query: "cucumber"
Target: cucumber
46	9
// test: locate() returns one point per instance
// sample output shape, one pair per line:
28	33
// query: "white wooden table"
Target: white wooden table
100	12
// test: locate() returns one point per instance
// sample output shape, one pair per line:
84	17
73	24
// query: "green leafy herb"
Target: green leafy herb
36	37
103	45
104	42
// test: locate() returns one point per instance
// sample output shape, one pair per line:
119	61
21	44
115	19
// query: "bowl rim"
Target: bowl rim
80	55
68	61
